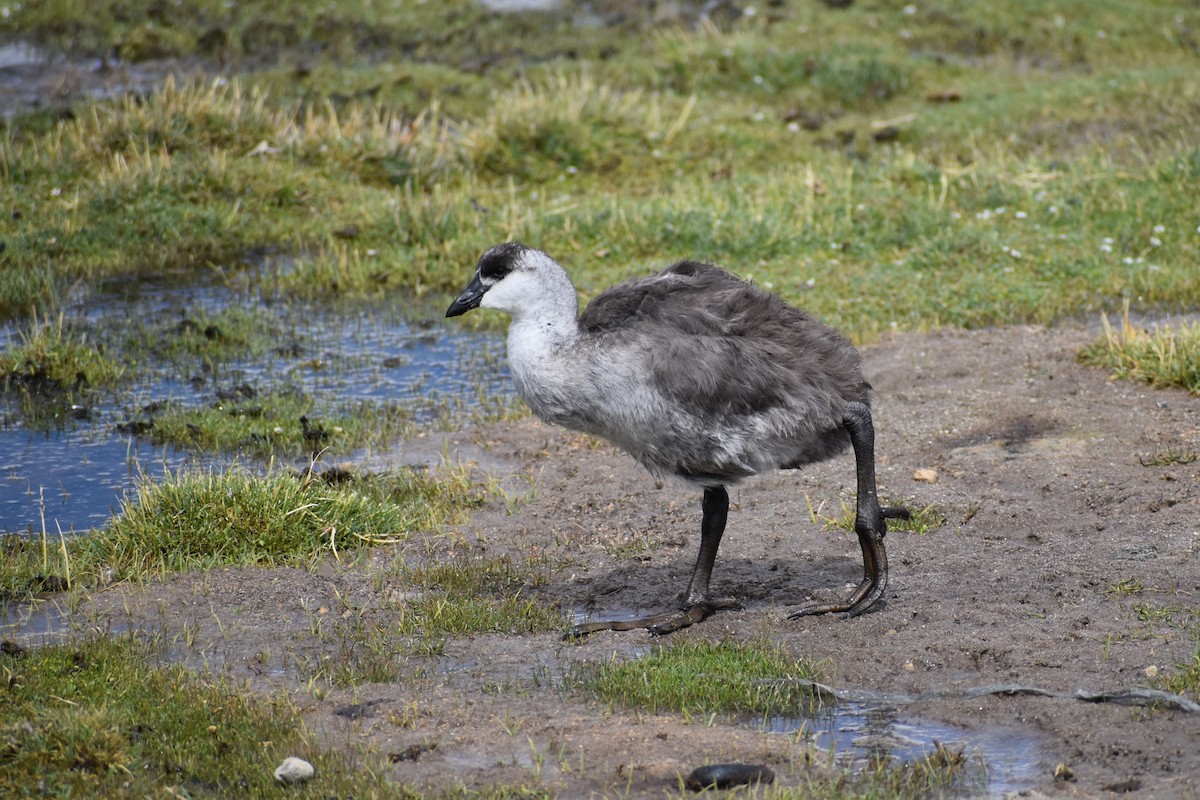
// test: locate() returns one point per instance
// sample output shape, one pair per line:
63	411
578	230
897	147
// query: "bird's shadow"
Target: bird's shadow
626	591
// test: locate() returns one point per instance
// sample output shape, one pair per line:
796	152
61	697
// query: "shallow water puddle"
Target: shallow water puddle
74	476
42	620
999	760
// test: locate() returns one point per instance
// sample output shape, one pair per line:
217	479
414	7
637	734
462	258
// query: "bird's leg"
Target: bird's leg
697	603
869	520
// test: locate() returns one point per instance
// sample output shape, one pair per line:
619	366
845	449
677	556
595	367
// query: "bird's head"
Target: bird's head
518	279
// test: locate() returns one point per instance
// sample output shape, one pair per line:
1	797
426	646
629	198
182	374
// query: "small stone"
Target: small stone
925	475
1151	671
294	770
910	666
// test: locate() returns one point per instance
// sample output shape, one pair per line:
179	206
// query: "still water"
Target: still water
74	474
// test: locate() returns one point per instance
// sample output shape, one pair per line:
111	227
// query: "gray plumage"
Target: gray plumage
694	372
742	381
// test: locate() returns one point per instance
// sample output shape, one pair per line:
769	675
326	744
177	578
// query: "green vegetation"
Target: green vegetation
887	166
471	595
1167	357
102	733
276	423
959	165
112	702
924	519
1167	621
702	678
1167	456
196	521
942	773
54	368
1184	679
452	596
212	337
110	718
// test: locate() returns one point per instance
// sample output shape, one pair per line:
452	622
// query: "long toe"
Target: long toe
697	612
657	624
679	620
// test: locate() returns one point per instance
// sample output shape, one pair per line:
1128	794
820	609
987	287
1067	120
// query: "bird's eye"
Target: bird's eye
499	261
493	269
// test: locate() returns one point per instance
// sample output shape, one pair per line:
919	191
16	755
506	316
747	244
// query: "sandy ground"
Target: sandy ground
1048	509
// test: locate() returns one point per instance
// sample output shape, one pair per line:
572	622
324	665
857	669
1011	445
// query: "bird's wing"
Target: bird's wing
717	346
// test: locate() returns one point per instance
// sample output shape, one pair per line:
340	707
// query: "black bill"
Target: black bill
469	298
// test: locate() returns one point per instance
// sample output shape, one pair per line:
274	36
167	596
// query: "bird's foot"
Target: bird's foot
875	568
657	624
684	618
865	596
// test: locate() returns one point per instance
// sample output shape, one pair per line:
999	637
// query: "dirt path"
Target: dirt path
1048	509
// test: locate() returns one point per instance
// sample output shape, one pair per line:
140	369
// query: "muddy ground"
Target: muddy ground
1048	509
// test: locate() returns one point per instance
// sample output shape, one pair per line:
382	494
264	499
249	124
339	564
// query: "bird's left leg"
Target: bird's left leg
869	521
698	604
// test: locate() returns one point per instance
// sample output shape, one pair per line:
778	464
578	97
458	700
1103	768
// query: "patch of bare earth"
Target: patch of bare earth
1048	510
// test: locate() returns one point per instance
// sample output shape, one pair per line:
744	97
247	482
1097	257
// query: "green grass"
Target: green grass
424	605
1184	678
201	520
265	425
110	717
113	712
924	519
212	337
54	368
1060	184
702	678
1169	356
942	773
471	595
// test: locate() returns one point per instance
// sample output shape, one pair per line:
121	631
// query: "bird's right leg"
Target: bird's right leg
698	604
869	520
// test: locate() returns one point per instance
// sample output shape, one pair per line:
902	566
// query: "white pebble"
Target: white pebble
294	770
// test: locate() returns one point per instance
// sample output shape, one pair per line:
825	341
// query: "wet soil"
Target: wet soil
1064	564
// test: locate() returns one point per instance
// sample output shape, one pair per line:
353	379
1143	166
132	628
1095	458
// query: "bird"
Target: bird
699	375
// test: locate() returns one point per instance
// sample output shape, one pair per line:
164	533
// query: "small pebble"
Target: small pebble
1151	671
294	770
925	475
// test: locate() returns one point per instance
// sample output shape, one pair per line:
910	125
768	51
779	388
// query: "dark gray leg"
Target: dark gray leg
869	520
697	603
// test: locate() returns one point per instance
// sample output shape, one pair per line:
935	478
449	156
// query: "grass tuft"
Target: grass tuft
701	678
1184	678
195	521
924	519
471	595
53	363
1168	357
